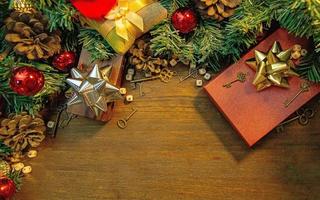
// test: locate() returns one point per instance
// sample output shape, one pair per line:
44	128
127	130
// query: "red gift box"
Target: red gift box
254	114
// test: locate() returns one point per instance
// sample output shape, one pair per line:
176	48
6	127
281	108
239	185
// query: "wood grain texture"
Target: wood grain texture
177	146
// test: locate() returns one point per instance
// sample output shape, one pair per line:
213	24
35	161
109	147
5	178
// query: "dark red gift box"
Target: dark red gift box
254	114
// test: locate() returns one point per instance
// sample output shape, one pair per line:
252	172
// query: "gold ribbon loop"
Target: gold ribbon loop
272	68
124	15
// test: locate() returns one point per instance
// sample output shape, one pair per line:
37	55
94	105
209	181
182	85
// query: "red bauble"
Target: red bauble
184	20
64	61
94	9
26	81
7	188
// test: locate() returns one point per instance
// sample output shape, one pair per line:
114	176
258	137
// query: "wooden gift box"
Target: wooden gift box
115	78
254	114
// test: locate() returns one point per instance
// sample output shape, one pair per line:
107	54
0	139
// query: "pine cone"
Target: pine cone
140	57
29	35
21	132
217	9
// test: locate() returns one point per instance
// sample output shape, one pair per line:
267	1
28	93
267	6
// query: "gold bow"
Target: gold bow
272	68
125	14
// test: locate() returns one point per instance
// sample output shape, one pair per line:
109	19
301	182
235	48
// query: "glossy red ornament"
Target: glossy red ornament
94	9
26	81
7	188
64	61
184	20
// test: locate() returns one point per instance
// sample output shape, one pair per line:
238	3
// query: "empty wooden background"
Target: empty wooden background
177	146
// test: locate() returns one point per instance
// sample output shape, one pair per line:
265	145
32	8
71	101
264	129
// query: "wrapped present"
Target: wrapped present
128	21
111	70
253	93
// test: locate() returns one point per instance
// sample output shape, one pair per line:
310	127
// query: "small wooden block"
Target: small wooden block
131	71
202	71
199	83
129	77
173	62
27	170
207	76
50	124
123	91
129	98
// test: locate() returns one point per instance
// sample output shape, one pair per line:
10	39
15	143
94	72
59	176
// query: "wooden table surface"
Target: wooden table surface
177	146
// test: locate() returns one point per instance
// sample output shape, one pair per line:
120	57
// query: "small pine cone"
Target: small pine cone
140	56
217	9
22	131
27	32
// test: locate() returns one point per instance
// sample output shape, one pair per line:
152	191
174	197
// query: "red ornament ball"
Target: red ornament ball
184	20
64	61
26	81
7	188
94	9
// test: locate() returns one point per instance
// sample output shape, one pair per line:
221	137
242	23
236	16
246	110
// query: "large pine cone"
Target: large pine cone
29	35
217	9
22	131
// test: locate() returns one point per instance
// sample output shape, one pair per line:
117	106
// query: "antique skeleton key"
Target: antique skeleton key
241	77
141	92
191	73
165	76
123	123
303	117
304	87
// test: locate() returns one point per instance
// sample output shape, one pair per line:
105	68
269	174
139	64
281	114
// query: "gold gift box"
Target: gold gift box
151	12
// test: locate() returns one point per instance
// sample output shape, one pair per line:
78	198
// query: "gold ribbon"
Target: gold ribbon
272	68
125	14
129	20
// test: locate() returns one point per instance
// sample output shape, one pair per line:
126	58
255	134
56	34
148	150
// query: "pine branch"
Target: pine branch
207	42
309	67
167	42
97	46
172	5
16	177
4	150
60	14
250	19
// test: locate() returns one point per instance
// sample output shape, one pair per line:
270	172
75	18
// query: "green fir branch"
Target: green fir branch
207	43
4	150
240	33
16	177
309	67
172	5
61	14
167	42
97	46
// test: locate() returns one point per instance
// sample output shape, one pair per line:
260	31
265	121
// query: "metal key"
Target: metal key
123	123
303	117
190	74
165	75
141	92
57	121
241	77
304	87
65	122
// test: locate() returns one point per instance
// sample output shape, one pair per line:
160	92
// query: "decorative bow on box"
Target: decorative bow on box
128	21
272	68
